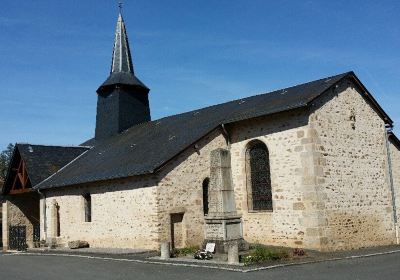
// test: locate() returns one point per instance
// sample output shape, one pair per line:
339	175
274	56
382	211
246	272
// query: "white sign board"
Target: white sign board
210	247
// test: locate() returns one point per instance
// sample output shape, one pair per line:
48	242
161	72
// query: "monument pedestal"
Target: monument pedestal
222	231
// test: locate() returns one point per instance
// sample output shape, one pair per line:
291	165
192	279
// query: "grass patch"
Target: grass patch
260	253
181	252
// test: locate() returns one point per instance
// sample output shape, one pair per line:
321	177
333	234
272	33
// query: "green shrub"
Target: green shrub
180	252
260	253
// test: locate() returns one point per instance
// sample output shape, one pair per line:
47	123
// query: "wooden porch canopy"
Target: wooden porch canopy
19	176
31	164
17	180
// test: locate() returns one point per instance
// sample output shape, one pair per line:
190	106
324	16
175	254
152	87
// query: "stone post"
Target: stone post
53	224
233	252
5	225
222	224
165	253
43	231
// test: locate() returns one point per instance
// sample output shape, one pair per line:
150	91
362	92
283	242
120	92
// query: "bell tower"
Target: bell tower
122	100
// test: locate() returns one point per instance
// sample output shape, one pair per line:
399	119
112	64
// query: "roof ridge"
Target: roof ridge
238	100
44	145
135	150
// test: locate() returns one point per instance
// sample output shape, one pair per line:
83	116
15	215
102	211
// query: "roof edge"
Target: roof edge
350	74
10	165
37	186
161	166
59	146
396	140
366	93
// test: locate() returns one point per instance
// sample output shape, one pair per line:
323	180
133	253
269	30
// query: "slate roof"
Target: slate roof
144	148
42	161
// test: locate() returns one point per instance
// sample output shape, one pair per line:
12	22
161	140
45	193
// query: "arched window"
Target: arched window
258	177
205	196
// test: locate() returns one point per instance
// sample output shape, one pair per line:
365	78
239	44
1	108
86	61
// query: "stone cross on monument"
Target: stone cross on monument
223	226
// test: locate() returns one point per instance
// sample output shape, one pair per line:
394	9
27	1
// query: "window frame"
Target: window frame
249	173
206	183
87	207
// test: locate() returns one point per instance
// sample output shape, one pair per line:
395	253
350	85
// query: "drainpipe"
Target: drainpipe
392	191
44	214
227	136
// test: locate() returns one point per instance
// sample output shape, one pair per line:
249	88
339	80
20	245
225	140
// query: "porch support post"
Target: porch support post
5	225
53	223
43	218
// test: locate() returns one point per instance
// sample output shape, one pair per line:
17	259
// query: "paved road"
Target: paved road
21	267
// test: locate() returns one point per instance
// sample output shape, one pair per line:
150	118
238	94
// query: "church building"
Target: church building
312	166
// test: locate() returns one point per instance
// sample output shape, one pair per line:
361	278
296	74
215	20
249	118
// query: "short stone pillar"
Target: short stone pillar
164	248
222	224
42	218
5	225
53	224
233	252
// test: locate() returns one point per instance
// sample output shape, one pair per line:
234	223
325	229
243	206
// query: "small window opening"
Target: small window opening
353	119
88	207
58	232
206	182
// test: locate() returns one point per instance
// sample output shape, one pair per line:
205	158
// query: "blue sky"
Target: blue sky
191	53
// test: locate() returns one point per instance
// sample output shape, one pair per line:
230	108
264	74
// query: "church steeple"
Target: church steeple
121	60
122	99
121	64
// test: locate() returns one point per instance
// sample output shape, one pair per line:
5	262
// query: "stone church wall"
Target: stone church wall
395	157
136	212
329	176
20	210
124	214
180	190
351	172
285	135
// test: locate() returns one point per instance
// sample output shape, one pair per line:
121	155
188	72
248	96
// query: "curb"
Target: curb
208	266
323	260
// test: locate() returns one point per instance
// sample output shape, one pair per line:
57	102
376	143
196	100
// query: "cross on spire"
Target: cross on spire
120	6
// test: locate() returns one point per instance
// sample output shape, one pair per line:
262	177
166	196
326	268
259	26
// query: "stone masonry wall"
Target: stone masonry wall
285	135
23	210
395	157
124	214
329	176
350	172
135	212
180	189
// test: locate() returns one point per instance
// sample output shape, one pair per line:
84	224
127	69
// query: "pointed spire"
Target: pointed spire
122	73
121	59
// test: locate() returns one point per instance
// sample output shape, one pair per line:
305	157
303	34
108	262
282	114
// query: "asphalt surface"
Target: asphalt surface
61	268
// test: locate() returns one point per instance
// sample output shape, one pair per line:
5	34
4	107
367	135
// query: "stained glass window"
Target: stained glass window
258	177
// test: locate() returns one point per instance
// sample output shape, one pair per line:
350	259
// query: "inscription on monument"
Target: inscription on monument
215	231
